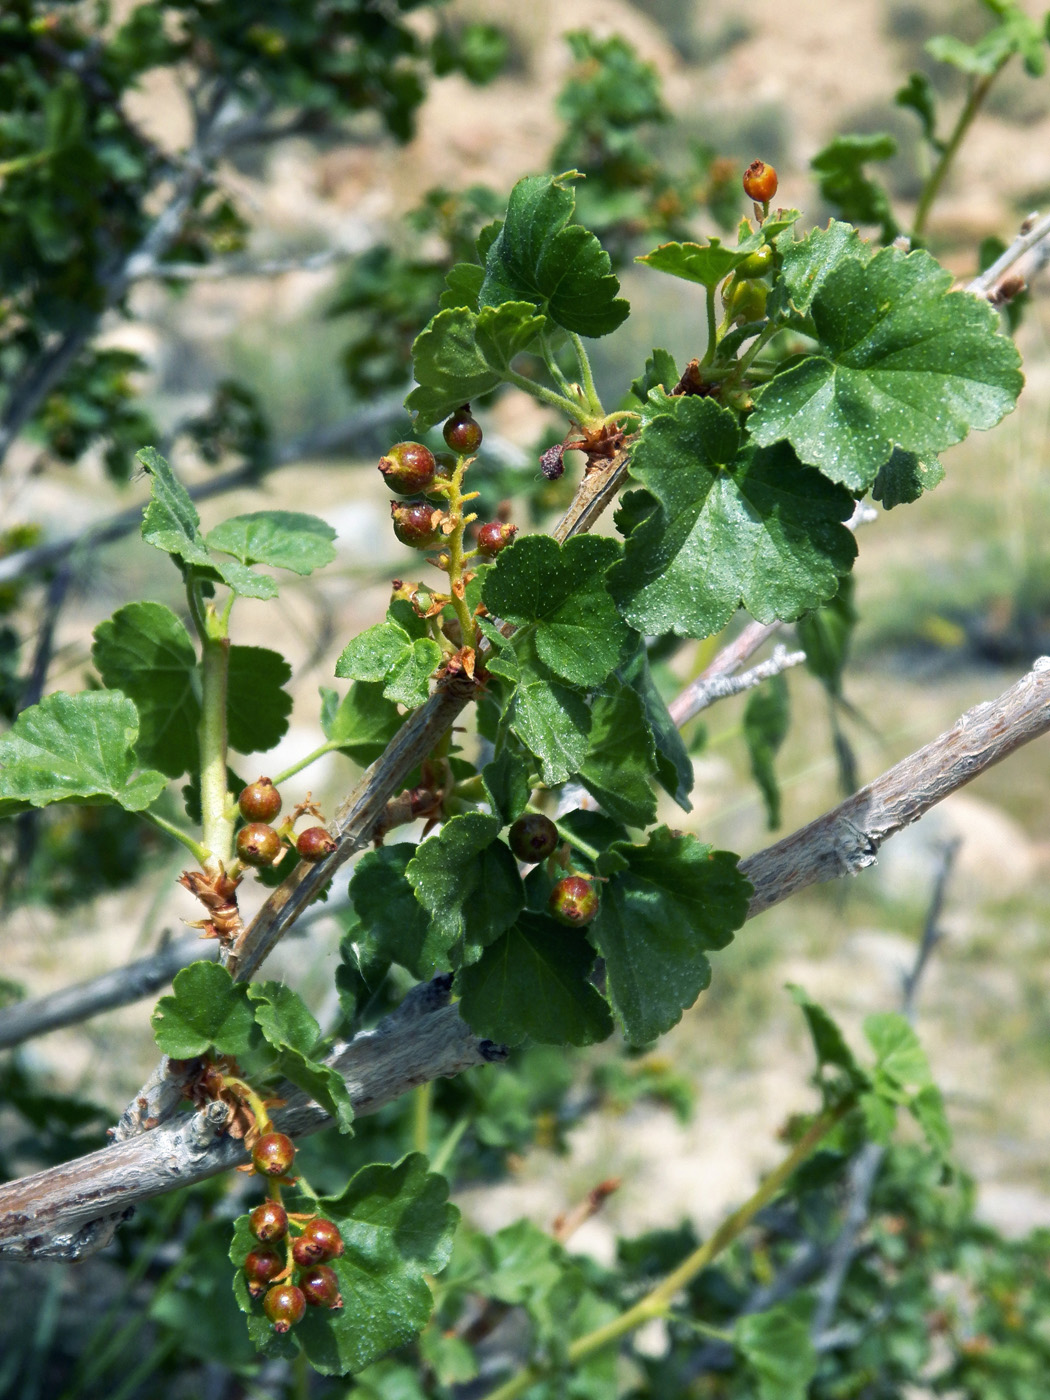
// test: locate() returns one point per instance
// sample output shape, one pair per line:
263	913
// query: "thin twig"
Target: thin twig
1031	234
707	689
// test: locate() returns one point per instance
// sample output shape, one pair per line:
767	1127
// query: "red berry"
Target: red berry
416	523
462	433
533	837
314	843
407	468
323	1240
259	801
573	901
269	1221
261	1267
493	537
284	1305
273	1154
320	1287
760	182
258	844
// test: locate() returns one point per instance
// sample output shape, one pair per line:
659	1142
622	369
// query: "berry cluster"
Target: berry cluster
298	1277
259	844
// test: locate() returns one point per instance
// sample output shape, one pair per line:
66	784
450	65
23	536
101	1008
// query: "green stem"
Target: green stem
758	344
931	189
421	1098
566	835
572	410
552	366
657	1302
712	328
444	1154
456	552
330	747
587	375
200	853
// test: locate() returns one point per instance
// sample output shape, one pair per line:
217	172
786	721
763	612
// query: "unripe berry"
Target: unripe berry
760	182
462	433
415	523
573	901
533	837
259	801
746	301
320	1287
321	1238
260	1268
273	1154
269	1221
493	537
258	844
284	1305
407	468
314	843
756	264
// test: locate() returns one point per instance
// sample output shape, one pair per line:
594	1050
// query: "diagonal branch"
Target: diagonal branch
407	1052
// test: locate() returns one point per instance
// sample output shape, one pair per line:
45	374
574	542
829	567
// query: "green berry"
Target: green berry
284	1305
273	1154
323	1240
756	264
260	1268
462	433
259	801
258	844
533	837
314	843
269	1221
746	301
416	523
320	1287
573	901
493	537
407	468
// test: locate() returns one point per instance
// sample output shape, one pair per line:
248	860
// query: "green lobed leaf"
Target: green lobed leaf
468	882
463	354
559	591
257	706
829	1044
206	1009
507	781
554	724
708	263
843	183
387	653
396	927
621	759
903	361
779	1350
674	767
397	1228
919	94
145	651
825	636
540	256
758	529
667	905
904	478
282	539
291	1030
806	263
362	723
76	748
170	522
532	983
766	721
